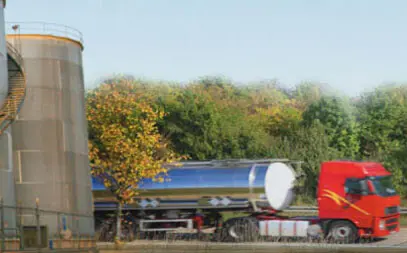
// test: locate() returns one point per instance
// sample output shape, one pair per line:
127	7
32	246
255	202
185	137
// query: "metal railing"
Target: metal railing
36	228
44	28
16	90
314	209
15	54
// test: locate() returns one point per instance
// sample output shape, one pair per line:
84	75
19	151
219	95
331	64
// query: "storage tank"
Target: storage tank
212	185
3	57
50	134
7	190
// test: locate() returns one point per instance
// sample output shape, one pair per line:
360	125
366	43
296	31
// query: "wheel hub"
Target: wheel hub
341	232
237	231
232	232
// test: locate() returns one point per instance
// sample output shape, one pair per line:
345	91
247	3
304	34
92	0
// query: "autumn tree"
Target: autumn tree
280	119
125	145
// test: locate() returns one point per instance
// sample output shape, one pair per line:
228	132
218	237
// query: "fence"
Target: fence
34	228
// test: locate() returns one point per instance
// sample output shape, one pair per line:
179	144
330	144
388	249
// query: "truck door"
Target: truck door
356	202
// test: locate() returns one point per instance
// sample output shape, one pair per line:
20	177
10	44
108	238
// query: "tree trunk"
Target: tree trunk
119	222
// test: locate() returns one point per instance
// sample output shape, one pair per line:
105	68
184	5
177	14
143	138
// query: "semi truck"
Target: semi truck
354	199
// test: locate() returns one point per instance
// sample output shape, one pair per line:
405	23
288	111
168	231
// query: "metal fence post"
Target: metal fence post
37	215
59	230
21	226
78	234
3	243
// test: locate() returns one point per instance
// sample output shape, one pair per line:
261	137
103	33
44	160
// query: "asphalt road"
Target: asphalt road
394	243
196	247
399	239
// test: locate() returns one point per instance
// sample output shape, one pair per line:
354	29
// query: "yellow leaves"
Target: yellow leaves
283	115
124	141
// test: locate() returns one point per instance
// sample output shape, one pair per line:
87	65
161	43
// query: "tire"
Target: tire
240	230
342	232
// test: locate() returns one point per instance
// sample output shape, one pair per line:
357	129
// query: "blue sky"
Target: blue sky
351	44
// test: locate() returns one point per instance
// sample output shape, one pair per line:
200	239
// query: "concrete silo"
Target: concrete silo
50	134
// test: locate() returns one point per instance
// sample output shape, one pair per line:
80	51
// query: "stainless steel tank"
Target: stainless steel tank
211	185
50	134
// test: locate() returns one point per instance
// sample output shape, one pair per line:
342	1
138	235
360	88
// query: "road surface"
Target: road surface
394	243
399	239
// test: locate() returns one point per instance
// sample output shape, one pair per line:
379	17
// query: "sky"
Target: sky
352	45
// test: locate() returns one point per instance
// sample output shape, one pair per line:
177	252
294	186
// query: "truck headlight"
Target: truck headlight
382	224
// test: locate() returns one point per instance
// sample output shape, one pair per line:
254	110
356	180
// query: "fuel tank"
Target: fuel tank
211	185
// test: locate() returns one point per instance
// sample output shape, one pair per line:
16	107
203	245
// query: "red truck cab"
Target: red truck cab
357	199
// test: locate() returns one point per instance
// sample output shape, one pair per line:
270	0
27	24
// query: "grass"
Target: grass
403	221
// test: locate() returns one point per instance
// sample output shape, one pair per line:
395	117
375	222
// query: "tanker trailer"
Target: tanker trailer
234	185
196	193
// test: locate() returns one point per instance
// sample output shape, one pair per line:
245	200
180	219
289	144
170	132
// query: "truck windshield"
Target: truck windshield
383	186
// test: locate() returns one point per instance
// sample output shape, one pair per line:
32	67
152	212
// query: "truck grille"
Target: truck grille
391	210
392	220
392	227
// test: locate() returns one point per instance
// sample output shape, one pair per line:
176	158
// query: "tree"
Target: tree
307	93
125	145
339	123
309	145
382	116
191	124
204	129
280	119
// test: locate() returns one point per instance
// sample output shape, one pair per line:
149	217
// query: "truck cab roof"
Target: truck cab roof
353	168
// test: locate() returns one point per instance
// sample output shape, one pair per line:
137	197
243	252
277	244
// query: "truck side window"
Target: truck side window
353	186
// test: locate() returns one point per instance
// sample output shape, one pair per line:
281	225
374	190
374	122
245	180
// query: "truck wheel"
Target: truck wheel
240	230
342	232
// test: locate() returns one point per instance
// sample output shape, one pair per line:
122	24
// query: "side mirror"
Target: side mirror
370	186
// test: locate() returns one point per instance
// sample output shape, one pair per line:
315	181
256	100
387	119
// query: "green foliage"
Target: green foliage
213	118
191	124
311	145
340	125
382	116
397	164
201	128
